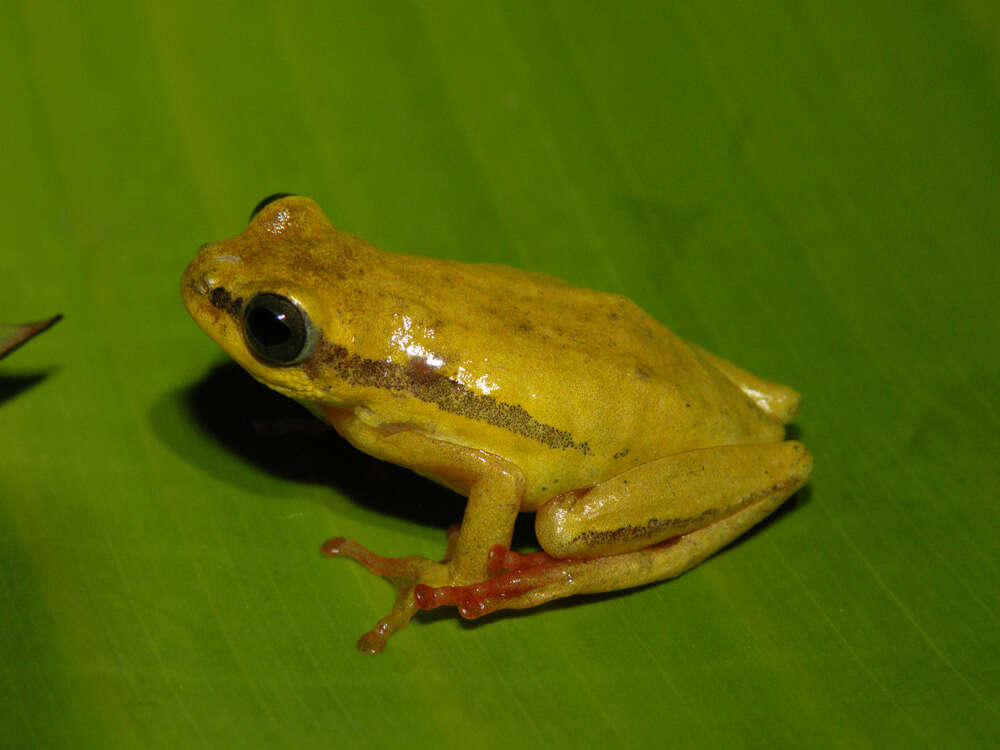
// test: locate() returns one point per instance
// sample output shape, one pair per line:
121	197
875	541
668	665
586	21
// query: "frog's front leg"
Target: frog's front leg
405	573
494	488
647	524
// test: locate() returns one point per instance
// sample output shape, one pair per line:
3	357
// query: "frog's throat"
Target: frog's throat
433	387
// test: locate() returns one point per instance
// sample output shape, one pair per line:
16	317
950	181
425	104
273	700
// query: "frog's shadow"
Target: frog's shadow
281	437
12	385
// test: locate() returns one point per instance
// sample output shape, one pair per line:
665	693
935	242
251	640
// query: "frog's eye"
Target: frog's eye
277	329
268	201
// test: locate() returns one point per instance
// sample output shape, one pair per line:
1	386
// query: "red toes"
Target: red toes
478	599
332	547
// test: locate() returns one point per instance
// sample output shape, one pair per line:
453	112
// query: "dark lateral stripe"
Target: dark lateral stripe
429	385
654	526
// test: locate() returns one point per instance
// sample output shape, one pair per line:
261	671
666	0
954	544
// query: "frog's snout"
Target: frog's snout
205	281
196	283
208	270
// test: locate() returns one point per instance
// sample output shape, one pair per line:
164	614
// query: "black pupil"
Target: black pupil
277	329
269	327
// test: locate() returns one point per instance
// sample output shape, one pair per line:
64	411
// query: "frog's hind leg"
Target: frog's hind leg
693	524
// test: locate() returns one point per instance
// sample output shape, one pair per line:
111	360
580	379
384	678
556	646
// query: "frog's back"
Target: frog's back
615	386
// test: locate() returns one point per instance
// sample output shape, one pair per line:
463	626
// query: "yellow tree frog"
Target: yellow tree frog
640	454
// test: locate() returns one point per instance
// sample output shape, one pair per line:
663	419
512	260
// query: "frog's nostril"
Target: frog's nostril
203	284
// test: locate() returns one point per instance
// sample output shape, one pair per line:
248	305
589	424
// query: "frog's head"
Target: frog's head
262	295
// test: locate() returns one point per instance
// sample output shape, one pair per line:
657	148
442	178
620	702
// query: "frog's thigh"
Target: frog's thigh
716	493
657	563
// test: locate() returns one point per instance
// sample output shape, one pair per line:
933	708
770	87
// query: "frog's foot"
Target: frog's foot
529	580
520	581
405	573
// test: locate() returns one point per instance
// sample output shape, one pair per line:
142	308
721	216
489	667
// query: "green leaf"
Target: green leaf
808	189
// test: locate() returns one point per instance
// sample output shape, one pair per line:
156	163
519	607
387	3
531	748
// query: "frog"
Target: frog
639	453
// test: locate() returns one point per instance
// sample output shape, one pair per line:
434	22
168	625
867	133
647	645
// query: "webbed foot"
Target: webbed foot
405	573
